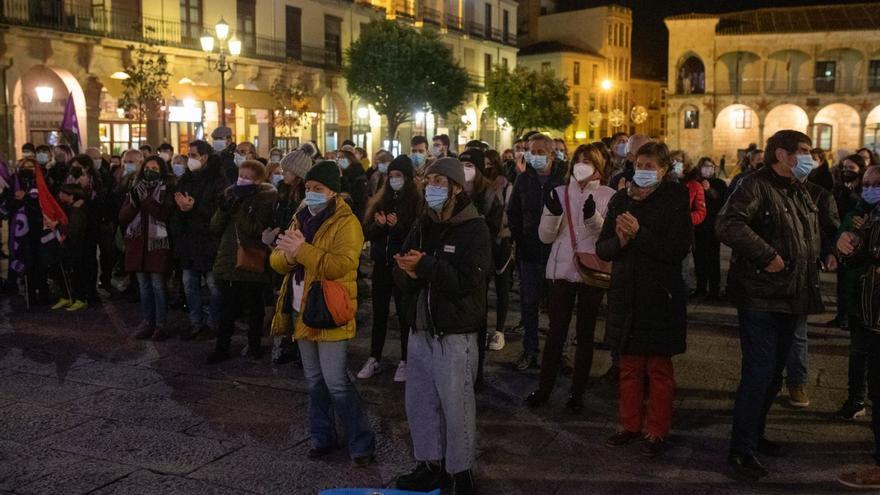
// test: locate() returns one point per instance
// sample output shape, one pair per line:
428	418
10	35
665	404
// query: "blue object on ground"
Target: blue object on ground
373	491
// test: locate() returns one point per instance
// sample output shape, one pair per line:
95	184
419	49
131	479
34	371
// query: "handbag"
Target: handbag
594	271
327	305
250	258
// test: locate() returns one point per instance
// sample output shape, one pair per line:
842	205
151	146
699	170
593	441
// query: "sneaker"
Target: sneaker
78	305
622	438
746	467
797	396
653	446
867	480
496	342
769	448
370	369
400	374
426	477
852	409
62	303
145	332
526	361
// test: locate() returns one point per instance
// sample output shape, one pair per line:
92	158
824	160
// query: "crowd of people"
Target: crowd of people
285	242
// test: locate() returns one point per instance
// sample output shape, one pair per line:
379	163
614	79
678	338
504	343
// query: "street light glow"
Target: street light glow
119	75
207	43
234	46
44	93
607	84
185	80
363	113
222	30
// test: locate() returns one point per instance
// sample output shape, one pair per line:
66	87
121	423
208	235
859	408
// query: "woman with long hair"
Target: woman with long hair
354	181
390	216
707	247
502	247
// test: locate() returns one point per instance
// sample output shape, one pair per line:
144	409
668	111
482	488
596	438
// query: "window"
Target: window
247	31
191	19
610	34
575	102
742	118
595	74
692	119
488	23
822	136
504	62
487	64
874	75
592	102
505	26
333	40
576	74
545	67
826	73
293	20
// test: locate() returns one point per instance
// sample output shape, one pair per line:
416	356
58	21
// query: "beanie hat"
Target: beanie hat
297	162
402	164
327	173
451	168
475	156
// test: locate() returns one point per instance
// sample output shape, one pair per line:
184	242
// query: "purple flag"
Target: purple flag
69	124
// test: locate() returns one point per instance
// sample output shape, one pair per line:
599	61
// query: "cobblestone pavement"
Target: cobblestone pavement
85	408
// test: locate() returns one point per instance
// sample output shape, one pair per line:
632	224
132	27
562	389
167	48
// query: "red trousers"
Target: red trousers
634	369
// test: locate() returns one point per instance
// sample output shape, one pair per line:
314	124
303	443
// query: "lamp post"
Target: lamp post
225	46
606	86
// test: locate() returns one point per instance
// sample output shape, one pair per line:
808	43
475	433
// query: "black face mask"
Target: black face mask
76	172
26	174
151	175
850	176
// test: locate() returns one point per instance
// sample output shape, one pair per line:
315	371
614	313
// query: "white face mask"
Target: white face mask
193	164
582	171
437	151
470	173
707	172
238	158
219	144
165	156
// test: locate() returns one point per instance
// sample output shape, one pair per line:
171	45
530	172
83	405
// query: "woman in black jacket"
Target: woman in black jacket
647	234
390	216
447	257
707	247
354	182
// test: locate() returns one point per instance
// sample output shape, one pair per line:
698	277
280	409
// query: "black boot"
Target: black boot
426	477
463	483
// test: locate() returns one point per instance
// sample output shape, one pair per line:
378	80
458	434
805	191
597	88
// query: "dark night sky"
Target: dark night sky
649	32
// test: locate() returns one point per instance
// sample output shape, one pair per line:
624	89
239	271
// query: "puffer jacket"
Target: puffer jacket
697	201
524	215
242	220
647	302
769	215
333	254
554	229
449	292
194	243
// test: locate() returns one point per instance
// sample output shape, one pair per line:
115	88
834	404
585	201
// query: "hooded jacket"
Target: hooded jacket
449	294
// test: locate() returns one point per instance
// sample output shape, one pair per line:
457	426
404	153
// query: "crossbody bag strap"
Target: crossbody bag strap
571	232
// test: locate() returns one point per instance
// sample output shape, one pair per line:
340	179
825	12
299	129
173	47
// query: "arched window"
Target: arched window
691	77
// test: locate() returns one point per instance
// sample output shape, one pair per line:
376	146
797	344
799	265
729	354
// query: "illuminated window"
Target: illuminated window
742	118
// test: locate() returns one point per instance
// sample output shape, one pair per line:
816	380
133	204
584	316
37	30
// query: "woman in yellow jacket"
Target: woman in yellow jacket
324	243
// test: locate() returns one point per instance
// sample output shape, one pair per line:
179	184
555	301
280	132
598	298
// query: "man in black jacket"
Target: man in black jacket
524	216
225	147
447	258
771	223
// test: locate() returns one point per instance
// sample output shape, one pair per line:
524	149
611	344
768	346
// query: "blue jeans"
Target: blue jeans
192	287
796	368
152	288
765	339
330	389
531	288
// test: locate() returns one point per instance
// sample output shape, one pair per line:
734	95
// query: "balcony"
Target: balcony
430	16
476	30
454	22
405	9
741	87
118	24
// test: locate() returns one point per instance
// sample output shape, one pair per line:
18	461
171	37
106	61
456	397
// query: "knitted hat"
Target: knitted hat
297	162
449	167
327	173
221	132
402	164
475	156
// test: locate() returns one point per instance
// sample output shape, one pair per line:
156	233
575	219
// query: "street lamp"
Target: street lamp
225	46
44	93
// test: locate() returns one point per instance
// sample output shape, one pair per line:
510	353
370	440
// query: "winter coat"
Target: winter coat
194	243
242	220
858	274
227	163
554	229
449	294
821	176
846	199
489	207
524	215
354	183
76	232
647	301
696	201
138	258
766	216
333	254
501	245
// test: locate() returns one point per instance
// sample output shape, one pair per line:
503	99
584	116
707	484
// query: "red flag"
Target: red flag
51	209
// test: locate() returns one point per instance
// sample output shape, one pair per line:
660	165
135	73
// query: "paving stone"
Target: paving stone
39	362
21	422
149	483
21	464
43	390
80	477
158	450
139	408
277	432
114	375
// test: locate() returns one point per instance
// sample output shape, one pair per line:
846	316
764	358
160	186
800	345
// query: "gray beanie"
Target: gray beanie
297	162
449	167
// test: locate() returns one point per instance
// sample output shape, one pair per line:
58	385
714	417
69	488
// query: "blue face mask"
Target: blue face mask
315	199
678	168
539	162
343	163
803	167
417	158
620	149
129	168
871	195
178	169
383	168
276	179
645	178
436	197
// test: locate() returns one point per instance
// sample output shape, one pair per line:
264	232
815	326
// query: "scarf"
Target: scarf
157	233
309	225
